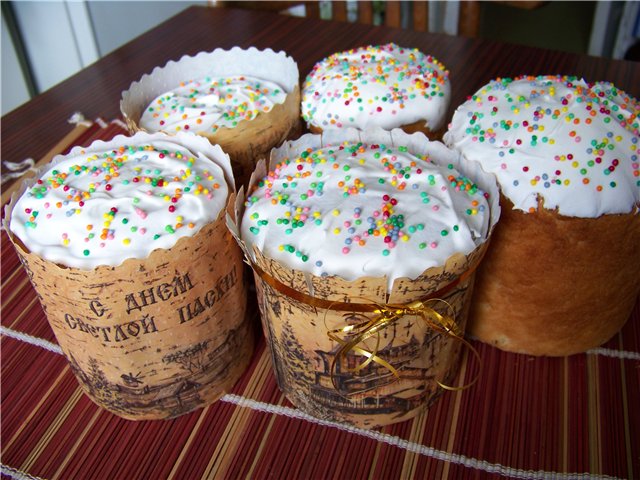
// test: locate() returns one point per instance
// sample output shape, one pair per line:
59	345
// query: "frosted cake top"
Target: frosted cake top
122	199
355	209
572	144
385	86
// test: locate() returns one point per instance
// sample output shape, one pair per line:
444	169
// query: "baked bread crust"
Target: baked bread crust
418	126
583	271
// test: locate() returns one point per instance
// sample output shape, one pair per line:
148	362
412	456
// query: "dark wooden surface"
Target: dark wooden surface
31	130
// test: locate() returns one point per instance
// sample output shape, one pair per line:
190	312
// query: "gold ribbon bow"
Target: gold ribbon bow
385	316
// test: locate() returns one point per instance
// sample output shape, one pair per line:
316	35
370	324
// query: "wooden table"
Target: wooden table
526	417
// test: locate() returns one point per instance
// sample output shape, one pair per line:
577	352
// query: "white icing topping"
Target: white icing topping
386	86
207	104
357	210
573	144
122	199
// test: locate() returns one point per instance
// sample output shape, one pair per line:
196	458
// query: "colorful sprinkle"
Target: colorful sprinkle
210	103
384	85
107	196
355	228
558	138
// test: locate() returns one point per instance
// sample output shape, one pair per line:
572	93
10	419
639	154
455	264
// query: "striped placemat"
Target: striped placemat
526	417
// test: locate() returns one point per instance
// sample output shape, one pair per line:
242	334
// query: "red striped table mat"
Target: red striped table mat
526	417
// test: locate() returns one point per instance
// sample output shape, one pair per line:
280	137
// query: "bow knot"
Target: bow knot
352	338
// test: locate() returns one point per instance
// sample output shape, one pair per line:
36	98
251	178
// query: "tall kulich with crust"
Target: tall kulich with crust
561	276
386	86
246	101
364	247
126	246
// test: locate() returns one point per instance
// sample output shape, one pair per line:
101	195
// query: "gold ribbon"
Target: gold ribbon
385	316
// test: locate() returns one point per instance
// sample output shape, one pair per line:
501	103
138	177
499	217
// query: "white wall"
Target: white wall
49	41
14	87
115	23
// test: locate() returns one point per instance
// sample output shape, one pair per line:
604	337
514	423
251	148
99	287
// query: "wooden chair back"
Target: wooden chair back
392	12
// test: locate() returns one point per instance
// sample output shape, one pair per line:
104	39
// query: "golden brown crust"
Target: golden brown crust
556	285
314	129
418	126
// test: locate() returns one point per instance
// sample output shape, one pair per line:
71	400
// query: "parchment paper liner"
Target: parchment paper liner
297	333
249	140
156	337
